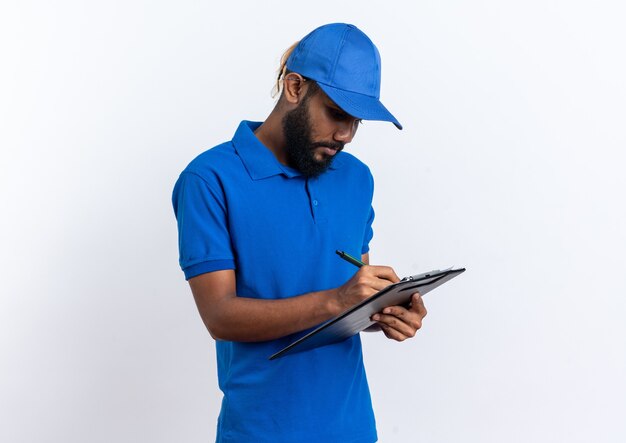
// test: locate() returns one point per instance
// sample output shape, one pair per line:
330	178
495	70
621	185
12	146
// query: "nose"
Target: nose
346	130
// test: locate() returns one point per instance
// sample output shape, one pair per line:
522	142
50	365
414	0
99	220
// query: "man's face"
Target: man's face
315	131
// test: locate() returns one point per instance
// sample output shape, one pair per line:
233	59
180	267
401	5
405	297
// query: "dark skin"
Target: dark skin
233	318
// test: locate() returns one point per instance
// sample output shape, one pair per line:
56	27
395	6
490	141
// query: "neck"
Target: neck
270	133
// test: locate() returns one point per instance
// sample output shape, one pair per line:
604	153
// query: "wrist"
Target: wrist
333	306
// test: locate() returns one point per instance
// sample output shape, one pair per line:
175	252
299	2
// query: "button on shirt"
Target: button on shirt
238	208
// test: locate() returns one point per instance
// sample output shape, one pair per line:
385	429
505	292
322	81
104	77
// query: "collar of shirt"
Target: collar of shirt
259	161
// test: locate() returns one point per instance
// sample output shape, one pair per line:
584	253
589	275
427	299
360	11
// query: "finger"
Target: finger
406	328
368	278
393	333
376	283
383	272
417	305
397	311
408	316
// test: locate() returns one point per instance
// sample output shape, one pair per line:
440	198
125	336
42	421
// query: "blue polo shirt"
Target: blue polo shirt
238	208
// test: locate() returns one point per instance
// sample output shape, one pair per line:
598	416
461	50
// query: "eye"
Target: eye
337	114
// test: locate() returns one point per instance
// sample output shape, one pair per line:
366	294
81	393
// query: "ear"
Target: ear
294	88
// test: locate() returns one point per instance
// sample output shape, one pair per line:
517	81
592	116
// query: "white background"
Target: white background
511	164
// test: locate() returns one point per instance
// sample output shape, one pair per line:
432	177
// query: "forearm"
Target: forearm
248	319
233	318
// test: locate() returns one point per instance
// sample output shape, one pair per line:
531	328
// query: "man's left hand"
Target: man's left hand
399	323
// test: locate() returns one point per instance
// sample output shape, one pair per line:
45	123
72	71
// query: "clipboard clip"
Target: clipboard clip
425	274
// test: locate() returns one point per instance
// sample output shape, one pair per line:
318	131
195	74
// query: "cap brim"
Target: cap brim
359	105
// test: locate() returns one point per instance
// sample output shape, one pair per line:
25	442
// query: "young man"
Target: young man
259	220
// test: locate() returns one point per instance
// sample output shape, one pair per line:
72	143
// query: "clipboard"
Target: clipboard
358	317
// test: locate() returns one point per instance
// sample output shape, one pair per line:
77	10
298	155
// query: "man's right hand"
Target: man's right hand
365	283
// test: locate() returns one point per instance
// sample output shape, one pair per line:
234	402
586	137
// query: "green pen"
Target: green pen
347	257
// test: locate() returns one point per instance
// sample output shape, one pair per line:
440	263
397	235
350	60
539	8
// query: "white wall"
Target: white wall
510	164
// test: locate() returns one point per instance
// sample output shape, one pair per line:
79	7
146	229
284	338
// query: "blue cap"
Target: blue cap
346	65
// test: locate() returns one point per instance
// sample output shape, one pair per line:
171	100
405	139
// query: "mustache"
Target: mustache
337	146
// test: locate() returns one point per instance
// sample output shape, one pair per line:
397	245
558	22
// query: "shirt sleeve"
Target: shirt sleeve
369	233
203	238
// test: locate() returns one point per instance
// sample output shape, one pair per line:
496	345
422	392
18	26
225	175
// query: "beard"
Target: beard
300	146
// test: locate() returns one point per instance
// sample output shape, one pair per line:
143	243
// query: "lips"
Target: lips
328	151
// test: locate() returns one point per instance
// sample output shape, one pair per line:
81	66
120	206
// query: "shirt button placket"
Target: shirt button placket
315	209
312	199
